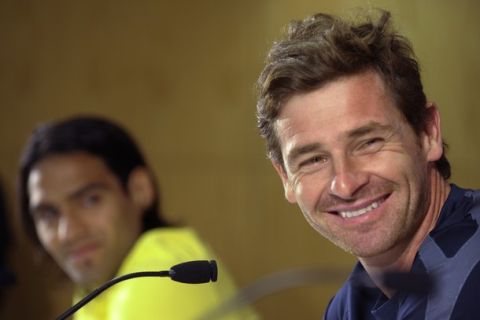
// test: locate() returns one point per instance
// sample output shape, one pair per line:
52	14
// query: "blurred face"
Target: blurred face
84	218
354	166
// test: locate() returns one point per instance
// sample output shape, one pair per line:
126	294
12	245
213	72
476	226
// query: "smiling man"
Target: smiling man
359	148
90	200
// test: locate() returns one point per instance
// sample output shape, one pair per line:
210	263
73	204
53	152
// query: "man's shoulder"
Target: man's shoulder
458	220
450	255
159	236
337	308
160	249
354	299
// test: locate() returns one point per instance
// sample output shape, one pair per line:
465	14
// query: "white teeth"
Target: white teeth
356	213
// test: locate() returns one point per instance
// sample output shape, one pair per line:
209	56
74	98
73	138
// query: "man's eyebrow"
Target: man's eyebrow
72	196
87	188
40	207
370	127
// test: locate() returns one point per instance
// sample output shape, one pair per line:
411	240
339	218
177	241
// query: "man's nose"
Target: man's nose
347	178
71	226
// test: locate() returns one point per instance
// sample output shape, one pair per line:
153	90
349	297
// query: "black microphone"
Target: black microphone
199	271
194	272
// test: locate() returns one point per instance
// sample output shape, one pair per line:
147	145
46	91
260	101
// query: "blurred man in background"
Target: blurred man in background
90	200
359	149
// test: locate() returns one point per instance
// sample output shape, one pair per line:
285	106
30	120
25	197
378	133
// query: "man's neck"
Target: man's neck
400	258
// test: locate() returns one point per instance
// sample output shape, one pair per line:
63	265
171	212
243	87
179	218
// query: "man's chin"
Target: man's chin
84	279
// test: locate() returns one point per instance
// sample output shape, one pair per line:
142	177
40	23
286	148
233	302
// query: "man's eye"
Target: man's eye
312	161
372	144
91	199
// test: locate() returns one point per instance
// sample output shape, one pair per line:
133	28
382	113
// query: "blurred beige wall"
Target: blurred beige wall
180	76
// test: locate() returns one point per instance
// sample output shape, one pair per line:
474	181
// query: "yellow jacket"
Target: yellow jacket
161	298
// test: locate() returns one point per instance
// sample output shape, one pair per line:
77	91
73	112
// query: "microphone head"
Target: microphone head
200	271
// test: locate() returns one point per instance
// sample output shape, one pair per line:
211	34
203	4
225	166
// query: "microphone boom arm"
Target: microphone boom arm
200	271
107	285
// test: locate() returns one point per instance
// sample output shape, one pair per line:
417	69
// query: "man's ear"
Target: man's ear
287	186
432	138
140	188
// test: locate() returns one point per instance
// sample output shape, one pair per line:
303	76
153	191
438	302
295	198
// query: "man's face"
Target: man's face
84	218
354	166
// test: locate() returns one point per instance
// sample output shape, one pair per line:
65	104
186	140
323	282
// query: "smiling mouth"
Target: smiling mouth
356	213
347	214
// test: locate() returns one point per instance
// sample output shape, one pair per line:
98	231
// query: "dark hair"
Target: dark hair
323	48
96	136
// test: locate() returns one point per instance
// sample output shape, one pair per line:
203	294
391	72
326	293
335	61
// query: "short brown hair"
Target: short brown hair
323	48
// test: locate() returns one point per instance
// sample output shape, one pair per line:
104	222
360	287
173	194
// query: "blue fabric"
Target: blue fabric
450	256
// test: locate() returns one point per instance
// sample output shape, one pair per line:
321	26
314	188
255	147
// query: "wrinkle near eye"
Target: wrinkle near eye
294	181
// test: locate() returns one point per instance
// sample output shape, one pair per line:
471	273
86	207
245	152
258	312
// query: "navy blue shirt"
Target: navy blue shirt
450	256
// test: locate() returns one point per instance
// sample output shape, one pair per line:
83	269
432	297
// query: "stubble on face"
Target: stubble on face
362	242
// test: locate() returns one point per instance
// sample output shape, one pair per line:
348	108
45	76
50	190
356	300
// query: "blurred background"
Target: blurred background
180	76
